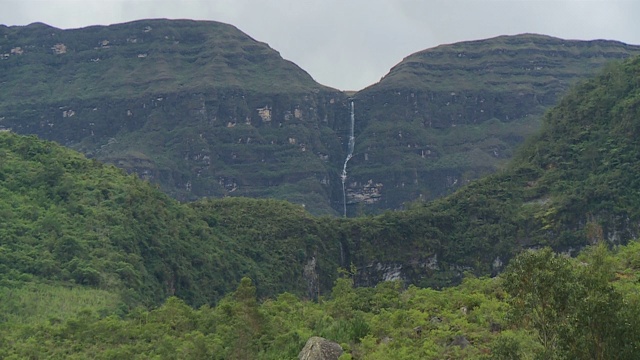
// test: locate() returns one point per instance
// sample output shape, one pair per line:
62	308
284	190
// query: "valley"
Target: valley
191	194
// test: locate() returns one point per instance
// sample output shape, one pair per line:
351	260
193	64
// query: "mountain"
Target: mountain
196	106
66	219
88	253
574	183
447	115
203	110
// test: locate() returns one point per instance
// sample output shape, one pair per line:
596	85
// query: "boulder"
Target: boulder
460	341
318	348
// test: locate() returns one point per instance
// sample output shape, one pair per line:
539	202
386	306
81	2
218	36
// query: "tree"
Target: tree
572	305
599	330
542	286
242	316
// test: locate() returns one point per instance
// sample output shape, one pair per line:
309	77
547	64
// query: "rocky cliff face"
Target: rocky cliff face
197	107
209	144
447	115
203	110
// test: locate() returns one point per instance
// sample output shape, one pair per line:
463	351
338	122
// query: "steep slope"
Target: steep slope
197	107
66	220
572	184
450	114
203	110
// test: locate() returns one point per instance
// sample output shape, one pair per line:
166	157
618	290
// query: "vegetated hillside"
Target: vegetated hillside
196	106
453	113
545	306
67	220
572	184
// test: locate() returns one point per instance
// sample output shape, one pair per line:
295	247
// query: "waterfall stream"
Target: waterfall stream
352	143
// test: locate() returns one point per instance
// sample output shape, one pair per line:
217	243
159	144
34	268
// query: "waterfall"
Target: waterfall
352	143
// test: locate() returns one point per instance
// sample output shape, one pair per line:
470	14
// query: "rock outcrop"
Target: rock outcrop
318	348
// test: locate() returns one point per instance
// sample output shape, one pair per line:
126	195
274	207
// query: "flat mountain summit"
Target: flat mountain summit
508	60
44	63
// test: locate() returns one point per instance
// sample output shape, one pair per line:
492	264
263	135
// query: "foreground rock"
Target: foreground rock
318	348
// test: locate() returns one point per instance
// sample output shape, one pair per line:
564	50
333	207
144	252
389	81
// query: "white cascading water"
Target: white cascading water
352	143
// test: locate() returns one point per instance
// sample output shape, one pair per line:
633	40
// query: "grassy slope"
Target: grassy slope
571	184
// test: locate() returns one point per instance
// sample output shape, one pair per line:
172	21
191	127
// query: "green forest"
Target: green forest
538	261
544	306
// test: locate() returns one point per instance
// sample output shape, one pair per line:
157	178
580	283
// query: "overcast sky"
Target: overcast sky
350	44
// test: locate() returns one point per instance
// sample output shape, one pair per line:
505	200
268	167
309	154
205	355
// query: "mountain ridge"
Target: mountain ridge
174	45
261	132
571	185
447	115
